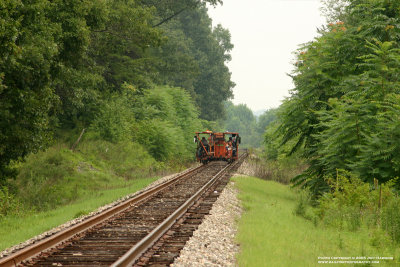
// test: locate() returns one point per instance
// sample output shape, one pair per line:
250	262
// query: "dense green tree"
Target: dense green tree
182	51
75	79
346	80
264	122
211	51
121	46
360	130
241	119
68	65
265	119
174	62
168	10
44	70
27	54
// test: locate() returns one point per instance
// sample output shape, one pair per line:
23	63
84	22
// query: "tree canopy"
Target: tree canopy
344	109
63	63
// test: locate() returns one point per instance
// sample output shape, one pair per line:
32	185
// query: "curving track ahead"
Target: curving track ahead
122	234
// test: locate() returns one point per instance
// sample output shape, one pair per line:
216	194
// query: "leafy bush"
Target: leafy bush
349	202
166	124
126	159
160	139
59	176
162	119
40	178
352	204
115	121
9	204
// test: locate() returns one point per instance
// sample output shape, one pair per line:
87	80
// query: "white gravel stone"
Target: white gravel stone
213	243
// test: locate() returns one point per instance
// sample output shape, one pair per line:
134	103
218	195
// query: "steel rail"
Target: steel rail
47	243
133	254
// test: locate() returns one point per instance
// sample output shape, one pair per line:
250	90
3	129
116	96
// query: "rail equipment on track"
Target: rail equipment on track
212	146
78	245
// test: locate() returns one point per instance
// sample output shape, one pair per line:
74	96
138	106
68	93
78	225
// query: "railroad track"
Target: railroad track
149	229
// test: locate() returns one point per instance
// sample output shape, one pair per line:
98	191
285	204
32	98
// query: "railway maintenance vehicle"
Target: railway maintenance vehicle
217	146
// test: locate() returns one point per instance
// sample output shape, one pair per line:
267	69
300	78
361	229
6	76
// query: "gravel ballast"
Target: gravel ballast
213	243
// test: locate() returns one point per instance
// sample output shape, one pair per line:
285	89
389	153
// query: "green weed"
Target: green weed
9	204
81	213
391	219
59	176
353	204
303	203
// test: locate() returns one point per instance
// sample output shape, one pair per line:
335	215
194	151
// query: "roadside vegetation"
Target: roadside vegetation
124	142
341	123
272	234
343	112
281	171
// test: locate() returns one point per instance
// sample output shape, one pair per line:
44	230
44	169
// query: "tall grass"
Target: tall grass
353	204
391	219
271	234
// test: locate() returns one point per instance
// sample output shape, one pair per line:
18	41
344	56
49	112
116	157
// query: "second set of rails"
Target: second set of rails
148	229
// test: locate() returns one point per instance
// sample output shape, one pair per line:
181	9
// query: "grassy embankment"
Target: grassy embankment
15	229
270	234
57	185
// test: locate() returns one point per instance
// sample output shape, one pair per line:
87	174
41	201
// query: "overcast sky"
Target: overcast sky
265	33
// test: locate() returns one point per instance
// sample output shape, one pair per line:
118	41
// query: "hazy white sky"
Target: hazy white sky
265	33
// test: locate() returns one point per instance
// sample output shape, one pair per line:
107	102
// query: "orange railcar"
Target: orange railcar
217	146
